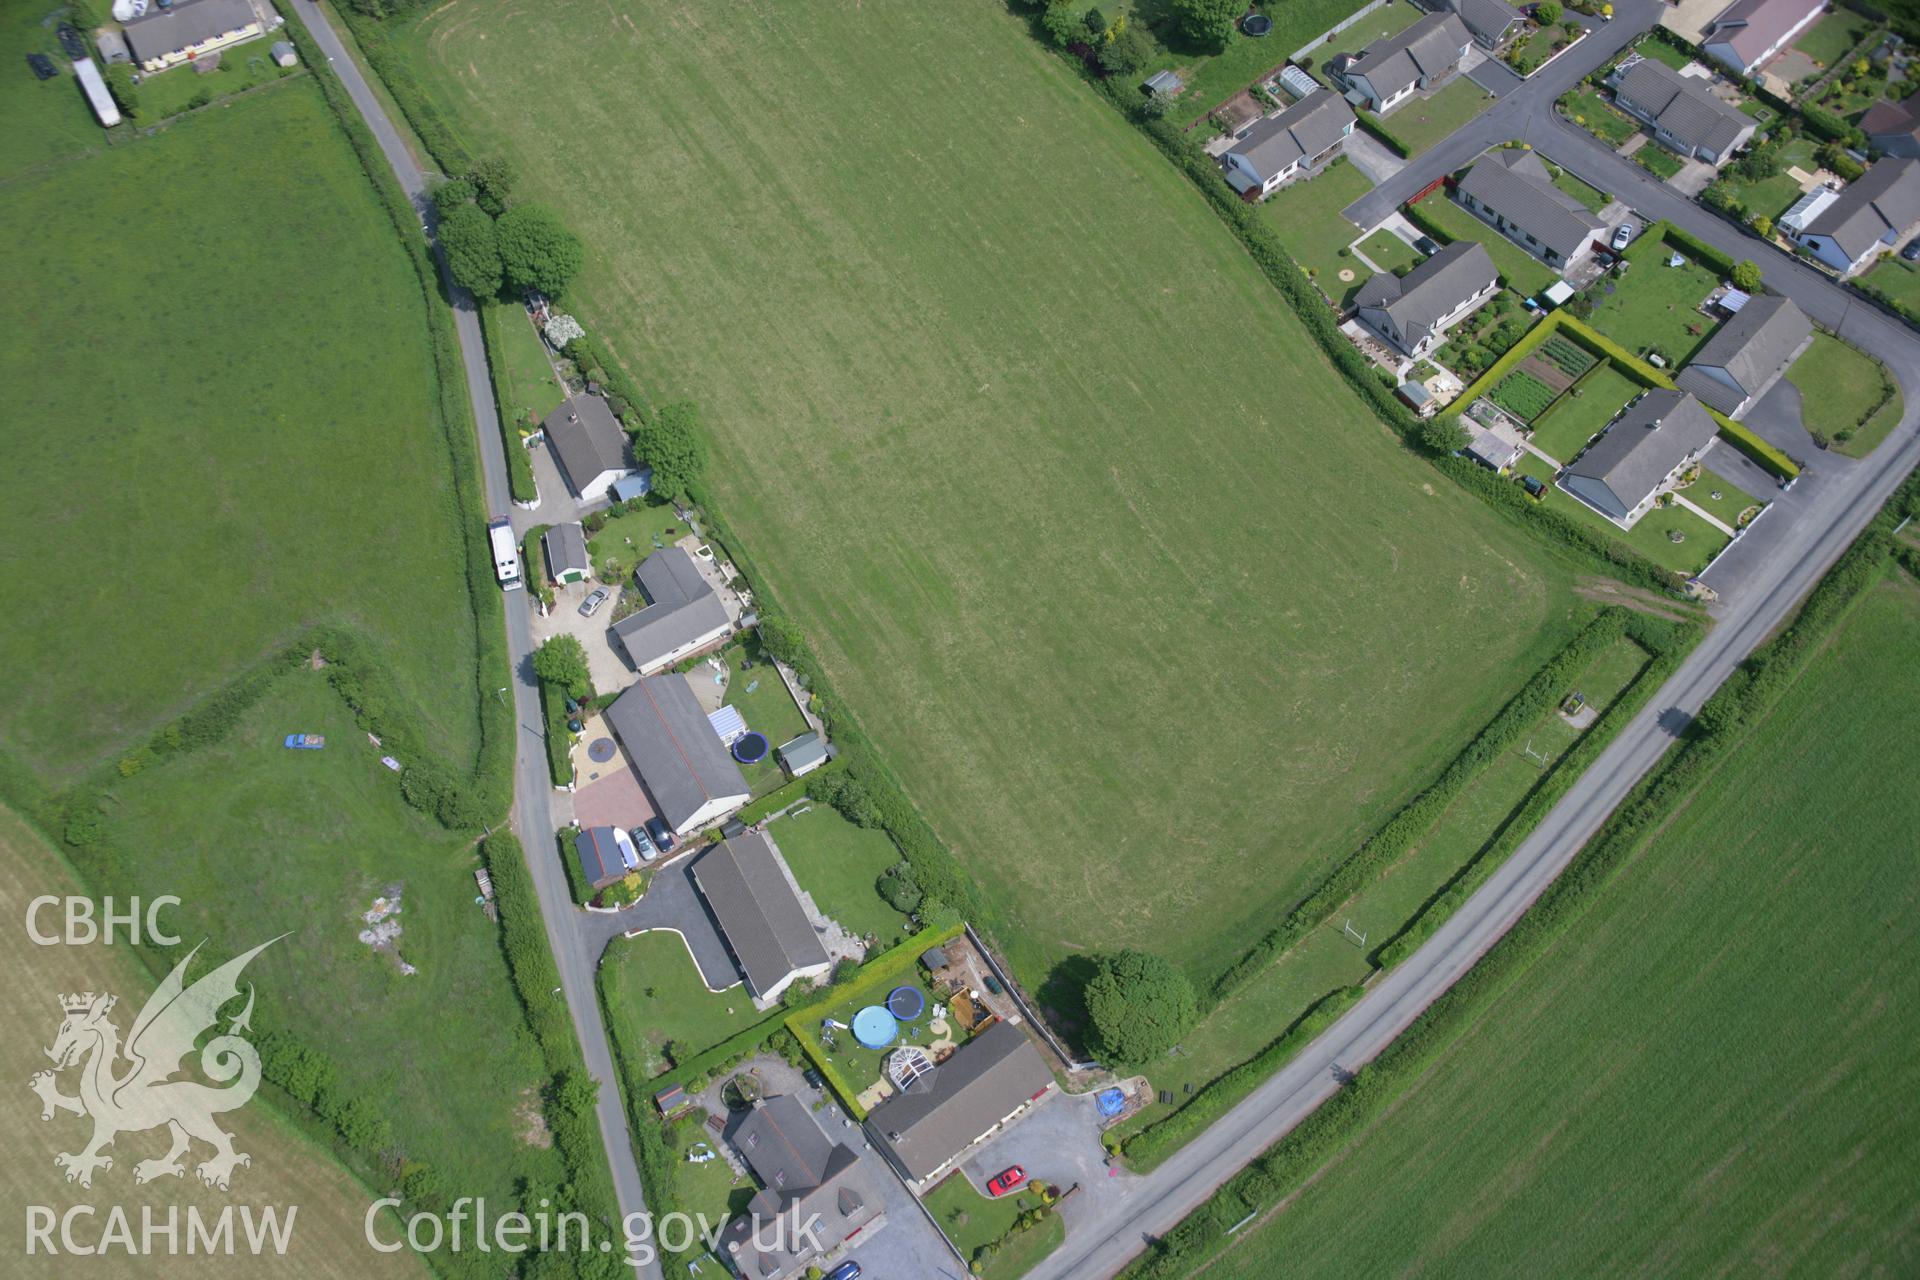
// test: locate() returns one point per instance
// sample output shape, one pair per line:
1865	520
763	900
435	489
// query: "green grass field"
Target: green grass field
1845	390
533	390
1725	508
1654	305
47	120
654	999
328	1242
1132	650
1775	195
838	864
1306	217
1587	407
1658	161
223	429
1423	122
1692	1081
258	841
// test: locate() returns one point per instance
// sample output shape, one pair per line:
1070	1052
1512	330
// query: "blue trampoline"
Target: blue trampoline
874	1027
906	1003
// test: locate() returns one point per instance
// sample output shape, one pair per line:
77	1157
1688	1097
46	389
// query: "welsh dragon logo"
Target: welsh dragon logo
143	1094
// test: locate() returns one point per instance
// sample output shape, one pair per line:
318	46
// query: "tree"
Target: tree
1746	276
669	441
1128	51
1141	1005
126	95
492	183
1547	12
1763	226
451	194
562	661
1442	436
899	888
1061	25
536	251
473	250
1207	22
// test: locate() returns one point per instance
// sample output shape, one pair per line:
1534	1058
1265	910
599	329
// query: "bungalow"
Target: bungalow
1685	116
167	36
683	614
1487	21
1894	127
1388	72
986	1084
804	1176
1284	146
1748	32
1636	458
759	913
606	854
678	758
1742	360
1413	311
566	548
1511	190
1875	212
589	444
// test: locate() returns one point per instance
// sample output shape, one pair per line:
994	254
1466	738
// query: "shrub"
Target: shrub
896	885
672	445
1140	1005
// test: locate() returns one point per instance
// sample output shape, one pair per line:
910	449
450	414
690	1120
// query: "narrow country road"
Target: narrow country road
532	793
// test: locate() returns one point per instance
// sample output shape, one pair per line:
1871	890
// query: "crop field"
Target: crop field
1523	395
287	1169
1712	1072
222	429
1152	619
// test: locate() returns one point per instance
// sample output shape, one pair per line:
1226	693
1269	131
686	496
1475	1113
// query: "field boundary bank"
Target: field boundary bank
1722	725
1146	1148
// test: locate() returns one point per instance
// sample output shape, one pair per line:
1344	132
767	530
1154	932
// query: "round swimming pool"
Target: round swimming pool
874	1027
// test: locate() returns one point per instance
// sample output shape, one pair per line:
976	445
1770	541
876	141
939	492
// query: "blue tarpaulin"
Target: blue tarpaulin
1111	1102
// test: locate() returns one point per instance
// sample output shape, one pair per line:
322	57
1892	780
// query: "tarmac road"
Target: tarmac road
532	791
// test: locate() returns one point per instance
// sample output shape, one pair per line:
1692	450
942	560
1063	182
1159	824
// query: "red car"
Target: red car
1007	1181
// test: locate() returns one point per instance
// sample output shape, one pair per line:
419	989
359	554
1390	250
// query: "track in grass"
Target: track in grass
1712	1073
1153	619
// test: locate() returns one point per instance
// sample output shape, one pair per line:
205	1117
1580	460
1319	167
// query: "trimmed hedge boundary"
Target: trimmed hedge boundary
1748	694
1371	123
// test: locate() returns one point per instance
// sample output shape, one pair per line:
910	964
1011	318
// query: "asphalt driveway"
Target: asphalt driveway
671	903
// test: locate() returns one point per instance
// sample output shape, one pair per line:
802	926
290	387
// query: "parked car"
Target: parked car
845	1271
593	602
642	845
1007	1181
1426	245
662	834
1623	235
1912	252
813	1078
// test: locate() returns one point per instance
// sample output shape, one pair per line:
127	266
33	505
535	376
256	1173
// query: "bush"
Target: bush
536	251
671	443
896	885
1140	1005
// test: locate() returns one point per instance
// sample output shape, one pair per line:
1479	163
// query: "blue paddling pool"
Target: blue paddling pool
874	1027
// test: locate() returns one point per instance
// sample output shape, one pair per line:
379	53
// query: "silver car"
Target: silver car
593	602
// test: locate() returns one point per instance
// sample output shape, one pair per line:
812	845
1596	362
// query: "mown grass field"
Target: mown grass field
327	1240
222	428
1152	618
1713	1073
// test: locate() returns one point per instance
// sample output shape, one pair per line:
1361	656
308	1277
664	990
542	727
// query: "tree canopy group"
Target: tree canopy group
494	246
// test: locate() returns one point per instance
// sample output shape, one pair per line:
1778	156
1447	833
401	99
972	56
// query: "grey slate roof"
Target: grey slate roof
1302	131
765	925
1886	198
673	747
1656	434
803	751
799	1169
987	1079
1683	106
566	546
682	607
1516	185
1751	347
1488	20
1427	48
599	856
1885	120
1418	300
163	31
586	438
1751	27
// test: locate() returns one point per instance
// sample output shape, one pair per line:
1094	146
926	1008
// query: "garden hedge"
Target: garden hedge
1372	124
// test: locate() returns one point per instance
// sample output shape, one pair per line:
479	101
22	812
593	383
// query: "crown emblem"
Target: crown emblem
83	1002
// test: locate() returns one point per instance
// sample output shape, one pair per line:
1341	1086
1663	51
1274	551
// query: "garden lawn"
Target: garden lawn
1588	407
1213	77
1306	216
526	376
1731	502
630	537
1658	161
1598	116
1585	192
653	997
1422	122
1660	51
1523	273
1031	514
287	1168
1653	306
1774	196
709	1189
1326	959
1688	1059
1834	36
839	863
234	346
761	697
1389	20
1840	388
970	1218
1391	252
180	89
257	841
1700	540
